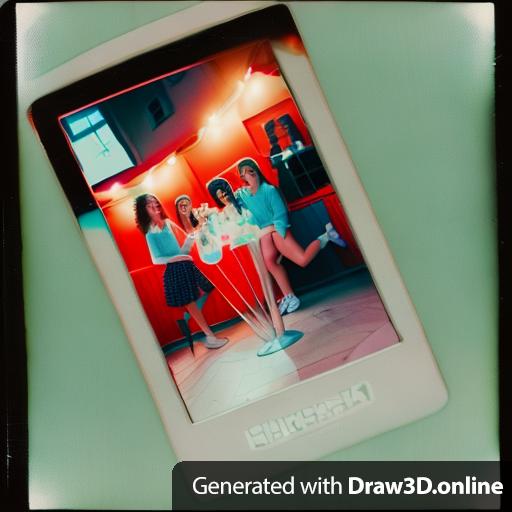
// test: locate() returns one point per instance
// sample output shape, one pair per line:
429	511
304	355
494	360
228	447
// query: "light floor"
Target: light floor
341	322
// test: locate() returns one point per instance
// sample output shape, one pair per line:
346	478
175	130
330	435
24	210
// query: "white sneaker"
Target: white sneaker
214	342
283	304
334	236
293	304
289	304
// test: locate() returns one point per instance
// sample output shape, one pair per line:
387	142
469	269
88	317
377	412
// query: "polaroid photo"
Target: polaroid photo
226	218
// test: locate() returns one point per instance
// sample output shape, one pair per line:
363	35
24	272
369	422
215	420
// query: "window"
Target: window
159	109
156	111
95	145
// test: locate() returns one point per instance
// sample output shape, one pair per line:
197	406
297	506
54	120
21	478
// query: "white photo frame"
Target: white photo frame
365	397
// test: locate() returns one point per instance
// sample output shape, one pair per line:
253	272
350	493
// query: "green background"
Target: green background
411	88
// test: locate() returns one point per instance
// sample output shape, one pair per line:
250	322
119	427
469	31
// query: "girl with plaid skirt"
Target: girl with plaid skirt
183	281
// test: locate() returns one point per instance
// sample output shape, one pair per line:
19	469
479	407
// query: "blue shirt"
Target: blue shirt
267	207
163	245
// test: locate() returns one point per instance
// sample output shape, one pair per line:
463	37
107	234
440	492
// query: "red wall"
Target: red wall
223	143
168	182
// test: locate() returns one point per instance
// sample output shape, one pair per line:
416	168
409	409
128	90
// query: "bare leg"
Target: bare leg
270	254
198	316
290	248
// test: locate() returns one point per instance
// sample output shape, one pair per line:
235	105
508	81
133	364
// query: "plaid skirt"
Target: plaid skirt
183	282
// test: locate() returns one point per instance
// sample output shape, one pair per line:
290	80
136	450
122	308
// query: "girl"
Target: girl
270	213
223	195
235	222
182	279
188	218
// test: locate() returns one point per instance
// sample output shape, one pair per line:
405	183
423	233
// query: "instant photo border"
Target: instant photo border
379	392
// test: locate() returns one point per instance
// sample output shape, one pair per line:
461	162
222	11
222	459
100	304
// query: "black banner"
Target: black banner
336	485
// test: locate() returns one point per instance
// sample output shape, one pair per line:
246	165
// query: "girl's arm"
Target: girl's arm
279	211
189	241
204	210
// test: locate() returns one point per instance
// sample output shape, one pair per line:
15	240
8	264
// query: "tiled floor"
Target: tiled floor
341	322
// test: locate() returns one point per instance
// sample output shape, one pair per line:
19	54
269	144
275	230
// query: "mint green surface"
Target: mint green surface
411	87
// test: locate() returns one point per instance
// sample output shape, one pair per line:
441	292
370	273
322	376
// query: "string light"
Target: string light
255	87
148	180
251	84
116	191
214	119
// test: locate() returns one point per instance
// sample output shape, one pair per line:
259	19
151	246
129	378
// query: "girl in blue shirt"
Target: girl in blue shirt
182	281
270	213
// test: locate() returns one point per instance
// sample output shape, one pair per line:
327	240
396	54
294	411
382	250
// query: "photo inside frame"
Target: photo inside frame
227	220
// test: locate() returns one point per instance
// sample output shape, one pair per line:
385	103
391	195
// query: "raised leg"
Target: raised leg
290	248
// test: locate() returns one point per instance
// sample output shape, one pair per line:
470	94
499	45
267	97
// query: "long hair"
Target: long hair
223	185
142	218
249	162
193	219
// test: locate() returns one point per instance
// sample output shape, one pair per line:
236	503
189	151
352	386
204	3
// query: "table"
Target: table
267	325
